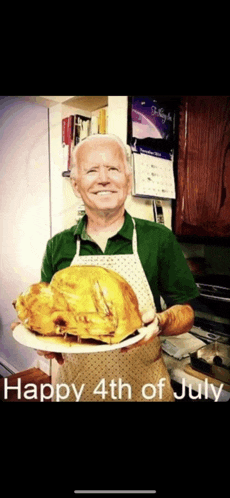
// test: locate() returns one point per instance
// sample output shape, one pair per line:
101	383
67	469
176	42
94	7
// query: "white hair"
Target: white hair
108	136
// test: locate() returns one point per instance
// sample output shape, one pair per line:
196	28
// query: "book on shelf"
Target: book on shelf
64	131
102	121
82	128
94	125
75	128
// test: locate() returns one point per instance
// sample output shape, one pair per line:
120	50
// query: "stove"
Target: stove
212	325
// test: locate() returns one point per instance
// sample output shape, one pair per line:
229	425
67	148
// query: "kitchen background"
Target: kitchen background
37	202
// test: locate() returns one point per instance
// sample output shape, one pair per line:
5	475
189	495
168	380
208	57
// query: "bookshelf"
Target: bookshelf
80	116
77	126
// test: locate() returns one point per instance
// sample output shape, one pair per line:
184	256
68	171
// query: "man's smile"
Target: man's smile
104	192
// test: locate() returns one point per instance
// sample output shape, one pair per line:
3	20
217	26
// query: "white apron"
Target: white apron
140	368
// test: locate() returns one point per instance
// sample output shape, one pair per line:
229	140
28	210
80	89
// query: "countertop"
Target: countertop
176	369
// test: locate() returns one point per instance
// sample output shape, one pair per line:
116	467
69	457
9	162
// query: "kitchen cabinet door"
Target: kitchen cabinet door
203	167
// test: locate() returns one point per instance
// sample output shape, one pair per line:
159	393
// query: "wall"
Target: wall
25	224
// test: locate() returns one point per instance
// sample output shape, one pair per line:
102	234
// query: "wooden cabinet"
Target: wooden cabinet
203	168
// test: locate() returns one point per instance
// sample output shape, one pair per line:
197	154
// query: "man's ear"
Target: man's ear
75	186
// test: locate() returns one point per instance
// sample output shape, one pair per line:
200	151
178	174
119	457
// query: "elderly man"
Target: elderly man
143	252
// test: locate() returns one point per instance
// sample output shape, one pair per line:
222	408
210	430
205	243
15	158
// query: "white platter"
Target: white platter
22	335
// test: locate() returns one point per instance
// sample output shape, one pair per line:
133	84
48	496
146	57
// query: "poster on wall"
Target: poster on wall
151	123
151	135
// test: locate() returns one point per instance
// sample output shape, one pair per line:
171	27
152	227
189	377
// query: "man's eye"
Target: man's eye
91	171
113	168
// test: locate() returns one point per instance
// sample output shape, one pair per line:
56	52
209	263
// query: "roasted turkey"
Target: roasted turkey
87	302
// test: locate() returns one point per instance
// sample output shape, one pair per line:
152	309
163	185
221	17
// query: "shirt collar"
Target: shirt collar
81	228
126	230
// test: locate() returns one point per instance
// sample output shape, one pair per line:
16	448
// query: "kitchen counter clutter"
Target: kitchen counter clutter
195	384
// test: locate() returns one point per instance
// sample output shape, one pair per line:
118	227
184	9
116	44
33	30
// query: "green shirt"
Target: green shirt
161	256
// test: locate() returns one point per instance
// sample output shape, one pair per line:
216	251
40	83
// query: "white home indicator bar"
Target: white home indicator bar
97	491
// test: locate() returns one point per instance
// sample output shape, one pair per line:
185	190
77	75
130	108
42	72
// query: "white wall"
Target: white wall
25	225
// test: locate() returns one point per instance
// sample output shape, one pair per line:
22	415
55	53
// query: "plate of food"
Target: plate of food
84	309
67	344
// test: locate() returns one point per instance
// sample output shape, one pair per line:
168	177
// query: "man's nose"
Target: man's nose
103	176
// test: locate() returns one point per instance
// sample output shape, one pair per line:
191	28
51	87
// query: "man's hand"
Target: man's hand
51	356
47	354
14	324
151	322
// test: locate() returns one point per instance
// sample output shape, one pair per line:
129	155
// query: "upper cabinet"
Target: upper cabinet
203	168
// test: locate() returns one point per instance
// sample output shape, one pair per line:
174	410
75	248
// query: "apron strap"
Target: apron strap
134	241
78	246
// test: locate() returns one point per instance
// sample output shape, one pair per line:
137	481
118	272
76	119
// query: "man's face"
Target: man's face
102	181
